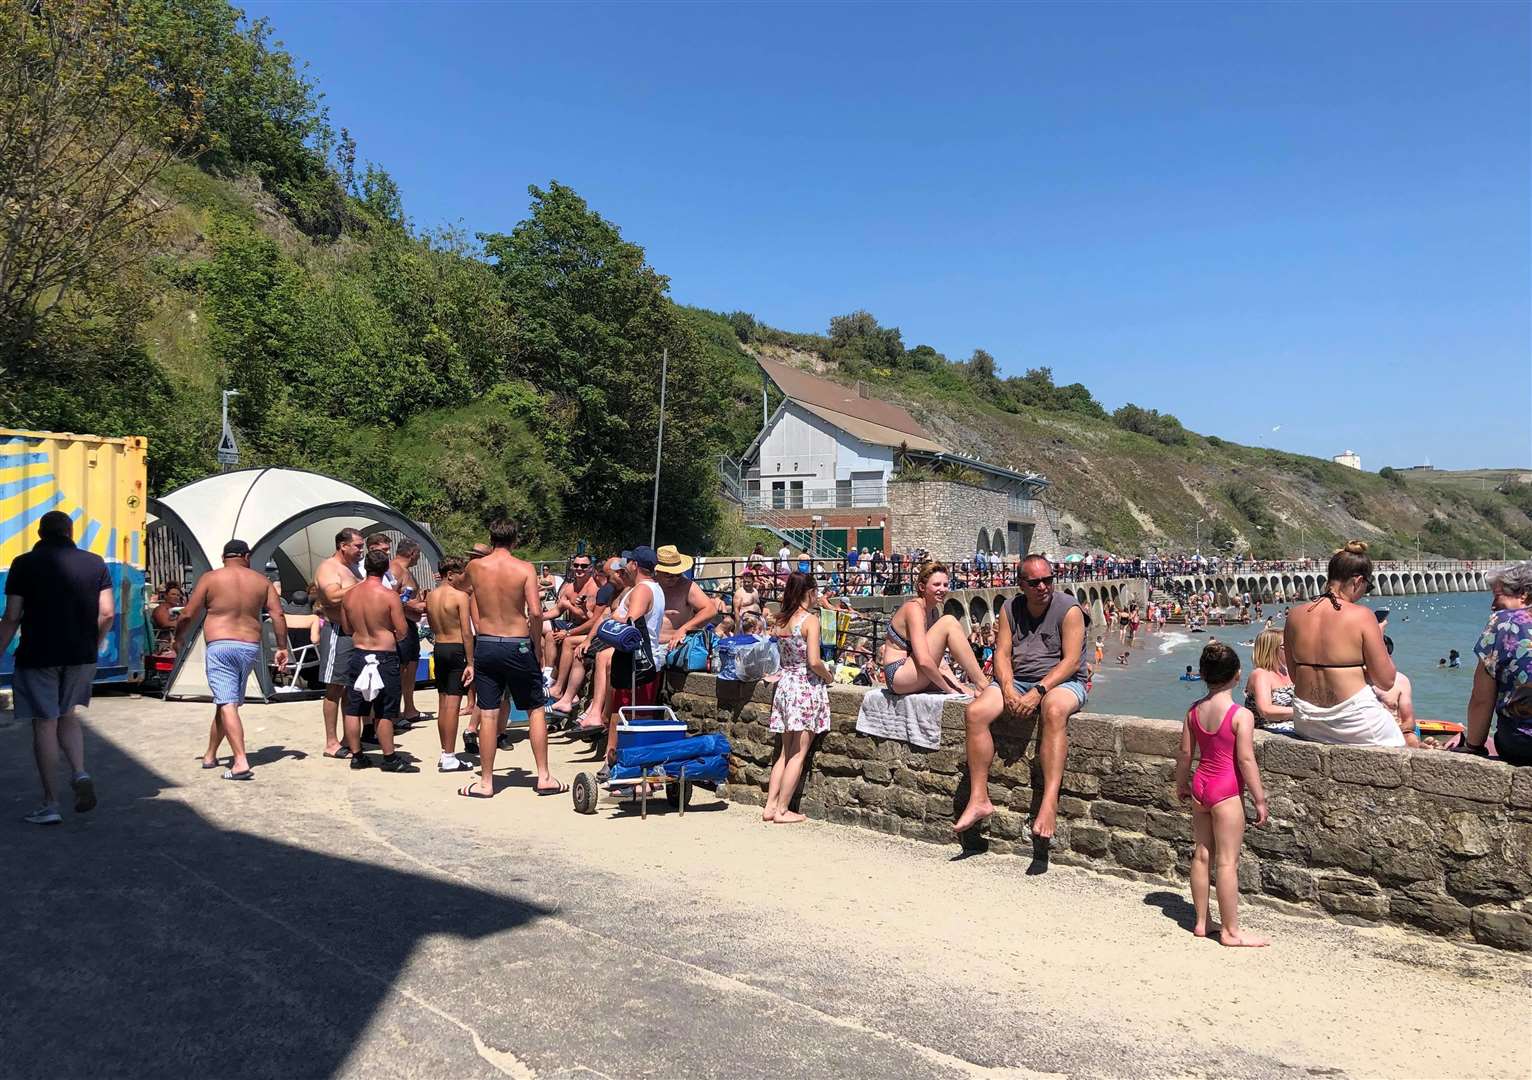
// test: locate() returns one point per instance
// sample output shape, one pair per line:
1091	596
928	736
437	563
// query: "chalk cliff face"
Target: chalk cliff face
1120	490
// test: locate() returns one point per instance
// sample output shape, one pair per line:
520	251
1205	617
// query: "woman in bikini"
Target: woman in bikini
918	637
1336	652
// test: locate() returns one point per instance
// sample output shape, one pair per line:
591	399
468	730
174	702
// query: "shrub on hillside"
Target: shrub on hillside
1162	427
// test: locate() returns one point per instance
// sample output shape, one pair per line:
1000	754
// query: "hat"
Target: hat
1381	613
235	547
645	557
671	561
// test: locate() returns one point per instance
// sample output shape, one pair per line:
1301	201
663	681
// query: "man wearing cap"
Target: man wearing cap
60	598
644	607
233	598
687	607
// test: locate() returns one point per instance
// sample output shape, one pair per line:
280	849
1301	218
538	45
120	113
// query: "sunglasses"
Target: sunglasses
1036	582
579	566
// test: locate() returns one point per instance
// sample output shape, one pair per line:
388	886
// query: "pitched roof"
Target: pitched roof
871	420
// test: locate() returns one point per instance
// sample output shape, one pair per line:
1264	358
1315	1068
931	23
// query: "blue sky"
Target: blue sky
1313	218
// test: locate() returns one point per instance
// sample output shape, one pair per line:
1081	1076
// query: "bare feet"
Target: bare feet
788	817
768	814
1237	940
972	815
1046	820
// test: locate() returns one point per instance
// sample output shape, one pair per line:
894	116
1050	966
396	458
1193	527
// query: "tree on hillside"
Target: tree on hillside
857	343
981	367
85	127
1162	427
593	318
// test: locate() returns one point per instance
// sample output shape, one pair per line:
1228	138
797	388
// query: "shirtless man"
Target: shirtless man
571	611
373	617
233	597
447	606
747	597
401	577
333	579
507	618
687	607
576	642
598	654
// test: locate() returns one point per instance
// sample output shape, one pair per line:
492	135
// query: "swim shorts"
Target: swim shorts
506	665
1074	686
448	663
229	664
409	644
334	655
47	693
386	705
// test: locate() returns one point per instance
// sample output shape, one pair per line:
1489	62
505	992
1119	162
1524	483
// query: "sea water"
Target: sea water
1424	628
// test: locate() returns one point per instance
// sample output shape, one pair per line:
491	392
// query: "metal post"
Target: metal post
659	447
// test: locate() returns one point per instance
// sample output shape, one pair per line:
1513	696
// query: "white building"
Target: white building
1351	459
818	472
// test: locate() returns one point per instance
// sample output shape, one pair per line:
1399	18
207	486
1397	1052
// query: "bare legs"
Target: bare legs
595	716
333	695
50	736
1053	748
537	723
489	742
786	771
447	708
945	636
227	725
1218	833
385	731
571	675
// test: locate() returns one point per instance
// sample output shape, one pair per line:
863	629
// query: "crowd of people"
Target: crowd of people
506	633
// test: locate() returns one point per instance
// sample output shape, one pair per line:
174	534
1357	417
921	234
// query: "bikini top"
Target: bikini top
1335	602
898	641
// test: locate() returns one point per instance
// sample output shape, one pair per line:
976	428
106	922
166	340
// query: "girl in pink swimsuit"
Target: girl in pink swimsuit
1223	733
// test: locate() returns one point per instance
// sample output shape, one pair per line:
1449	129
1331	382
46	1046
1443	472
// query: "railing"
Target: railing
857	494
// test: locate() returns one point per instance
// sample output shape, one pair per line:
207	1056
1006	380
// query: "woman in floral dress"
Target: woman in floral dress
801	708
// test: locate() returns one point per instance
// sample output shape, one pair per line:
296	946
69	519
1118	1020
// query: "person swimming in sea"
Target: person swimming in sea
1191	676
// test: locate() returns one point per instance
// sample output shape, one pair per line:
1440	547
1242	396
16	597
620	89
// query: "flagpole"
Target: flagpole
659	448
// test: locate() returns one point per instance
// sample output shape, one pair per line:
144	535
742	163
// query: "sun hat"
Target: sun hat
670	561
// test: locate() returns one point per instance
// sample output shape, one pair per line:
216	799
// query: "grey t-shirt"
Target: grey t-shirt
1038	645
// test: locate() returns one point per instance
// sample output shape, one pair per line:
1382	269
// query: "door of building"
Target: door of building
834	539
869	539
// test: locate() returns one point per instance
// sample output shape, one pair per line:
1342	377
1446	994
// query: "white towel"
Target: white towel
912	718
1360	720
370	682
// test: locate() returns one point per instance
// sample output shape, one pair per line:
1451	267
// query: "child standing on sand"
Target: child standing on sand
1224	735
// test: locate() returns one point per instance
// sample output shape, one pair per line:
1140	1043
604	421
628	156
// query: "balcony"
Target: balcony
846	495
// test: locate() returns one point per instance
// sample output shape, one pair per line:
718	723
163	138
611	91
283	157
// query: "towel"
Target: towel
1360	720
912	718
370	682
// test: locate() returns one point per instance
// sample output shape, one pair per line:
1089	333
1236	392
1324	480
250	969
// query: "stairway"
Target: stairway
779	523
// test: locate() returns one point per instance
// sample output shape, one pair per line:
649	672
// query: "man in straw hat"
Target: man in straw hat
687	607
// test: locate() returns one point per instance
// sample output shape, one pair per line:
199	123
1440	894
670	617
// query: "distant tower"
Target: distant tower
1351	459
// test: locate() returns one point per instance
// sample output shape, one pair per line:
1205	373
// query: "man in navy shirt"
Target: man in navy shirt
61	599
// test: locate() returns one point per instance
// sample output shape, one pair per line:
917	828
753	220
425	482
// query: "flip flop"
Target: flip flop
230	774
470	791
559	789
205	765
84	794
340	755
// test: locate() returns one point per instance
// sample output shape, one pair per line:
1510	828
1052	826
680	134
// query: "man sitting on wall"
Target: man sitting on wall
1039	670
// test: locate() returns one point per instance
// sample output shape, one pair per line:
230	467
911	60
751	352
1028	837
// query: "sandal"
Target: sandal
471	791
556	789
341	754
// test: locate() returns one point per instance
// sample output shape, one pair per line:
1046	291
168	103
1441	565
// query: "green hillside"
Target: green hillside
192	220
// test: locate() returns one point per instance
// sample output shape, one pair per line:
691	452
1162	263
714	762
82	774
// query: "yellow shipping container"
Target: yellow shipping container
102	484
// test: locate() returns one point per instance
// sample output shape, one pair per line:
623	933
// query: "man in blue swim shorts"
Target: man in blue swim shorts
229	602
1039	672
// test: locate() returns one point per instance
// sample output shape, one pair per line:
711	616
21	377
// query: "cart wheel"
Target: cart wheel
678	793
585	793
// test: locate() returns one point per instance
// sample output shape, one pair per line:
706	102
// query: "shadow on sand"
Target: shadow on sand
145	940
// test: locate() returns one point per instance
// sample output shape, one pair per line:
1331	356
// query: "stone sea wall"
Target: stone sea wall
1437	841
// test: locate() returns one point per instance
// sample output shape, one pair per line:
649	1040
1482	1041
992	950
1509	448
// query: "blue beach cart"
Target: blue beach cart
653	749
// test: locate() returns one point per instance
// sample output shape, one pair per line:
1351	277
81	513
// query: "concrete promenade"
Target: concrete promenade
319	922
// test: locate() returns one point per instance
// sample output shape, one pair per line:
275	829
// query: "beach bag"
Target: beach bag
693	652
754	662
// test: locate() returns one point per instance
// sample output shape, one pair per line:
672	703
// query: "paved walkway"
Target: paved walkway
318	921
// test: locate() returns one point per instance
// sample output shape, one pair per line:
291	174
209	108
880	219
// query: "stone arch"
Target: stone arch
983	541
1080	595
999	604
1094	594
955	609
997	542
978	611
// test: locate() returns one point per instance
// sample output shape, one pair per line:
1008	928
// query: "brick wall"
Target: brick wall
1437	841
